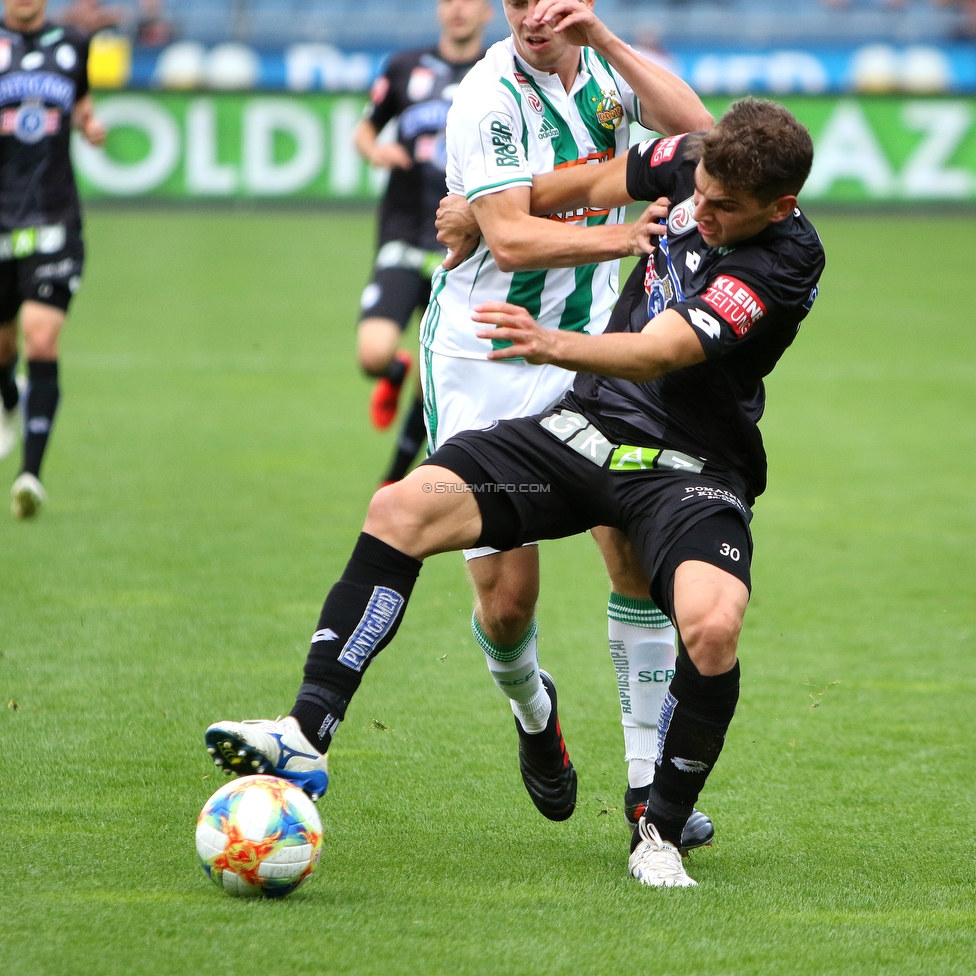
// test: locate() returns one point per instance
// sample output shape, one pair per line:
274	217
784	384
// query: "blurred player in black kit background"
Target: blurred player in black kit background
416	88
43	95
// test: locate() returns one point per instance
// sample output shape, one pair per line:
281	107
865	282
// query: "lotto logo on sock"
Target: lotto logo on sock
381	613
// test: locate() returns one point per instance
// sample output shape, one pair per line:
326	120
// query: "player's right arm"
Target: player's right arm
520	242
384	106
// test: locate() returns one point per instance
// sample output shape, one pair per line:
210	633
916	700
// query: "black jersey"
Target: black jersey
42	76
418	87
745	304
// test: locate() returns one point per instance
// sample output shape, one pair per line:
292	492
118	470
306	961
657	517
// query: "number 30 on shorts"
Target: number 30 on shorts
730	551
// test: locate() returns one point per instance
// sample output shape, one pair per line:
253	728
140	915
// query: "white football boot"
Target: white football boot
657	863
27	495
274	748
11	421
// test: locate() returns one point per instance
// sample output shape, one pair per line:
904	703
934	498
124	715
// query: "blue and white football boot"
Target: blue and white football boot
274	748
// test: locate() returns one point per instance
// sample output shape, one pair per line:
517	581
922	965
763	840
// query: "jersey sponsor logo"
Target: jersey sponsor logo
736	302
56	269
644	146
665	149
5	54
30	123
421	84
547	130
705	323
425	117
498	142
529	94
609	111
378	619
380	89
44	86
66	57
681	220
692	261
574	216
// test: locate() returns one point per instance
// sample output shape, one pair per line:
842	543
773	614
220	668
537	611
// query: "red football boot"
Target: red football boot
386	396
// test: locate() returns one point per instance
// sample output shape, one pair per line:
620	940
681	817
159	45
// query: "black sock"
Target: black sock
43	394
9	393
360	617
413	436
696	714
396	371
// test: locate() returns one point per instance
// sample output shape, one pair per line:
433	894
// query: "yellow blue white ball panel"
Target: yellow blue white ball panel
259	835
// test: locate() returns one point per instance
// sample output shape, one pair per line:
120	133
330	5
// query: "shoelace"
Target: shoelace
663	859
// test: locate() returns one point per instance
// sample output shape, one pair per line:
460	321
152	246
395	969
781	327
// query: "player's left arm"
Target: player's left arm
667	104
667	343
83	119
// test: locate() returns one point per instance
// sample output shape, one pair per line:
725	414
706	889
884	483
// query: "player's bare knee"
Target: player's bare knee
393	517
503	611
711	639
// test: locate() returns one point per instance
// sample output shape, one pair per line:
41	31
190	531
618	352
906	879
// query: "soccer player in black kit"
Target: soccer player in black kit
43	94
658	438
416	89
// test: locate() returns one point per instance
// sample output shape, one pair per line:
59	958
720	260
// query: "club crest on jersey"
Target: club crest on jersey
529	94
681	220
736	302
30	122
609	112
421	84
5	54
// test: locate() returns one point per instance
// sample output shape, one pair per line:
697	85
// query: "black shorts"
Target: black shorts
42	276
534	484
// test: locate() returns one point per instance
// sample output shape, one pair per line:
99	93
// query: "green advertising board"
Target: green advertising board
186	146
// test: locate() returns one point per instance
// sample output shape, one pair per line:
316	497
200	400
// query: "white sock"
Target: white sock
643	655
515	669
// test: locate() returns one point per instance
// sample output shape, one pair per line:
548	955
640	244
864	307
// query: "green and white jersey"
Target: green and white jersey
508	122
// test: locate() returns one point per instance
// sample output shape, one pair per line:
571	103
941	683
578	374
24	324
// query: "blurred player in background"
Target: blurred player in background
416	89
43	94
560	93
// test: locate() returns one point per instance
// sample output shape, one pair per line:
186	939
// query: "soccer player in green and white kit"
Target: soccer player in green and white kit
560	92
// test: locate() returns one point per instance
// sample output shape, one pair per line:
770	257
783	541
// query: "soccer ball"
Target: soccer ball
259	835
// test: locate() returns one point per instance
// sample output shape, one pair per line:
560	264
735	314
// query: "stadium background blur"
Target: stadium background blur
213	460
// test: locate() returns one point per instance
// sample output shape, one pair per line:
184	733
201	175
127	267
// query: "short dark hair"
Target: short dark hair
757	146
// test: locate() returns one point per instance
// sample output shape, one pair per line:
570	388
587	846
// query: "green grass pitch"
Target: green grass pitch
208	475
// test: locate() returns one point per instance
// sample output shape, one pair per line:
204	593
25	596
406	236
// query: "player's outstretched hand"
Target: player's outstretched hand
646	231
390	155
513	323
574	20
457	229
94	131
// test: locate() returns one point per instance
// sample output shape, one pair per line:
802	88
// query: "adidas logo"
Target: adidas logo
324	635
547	130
